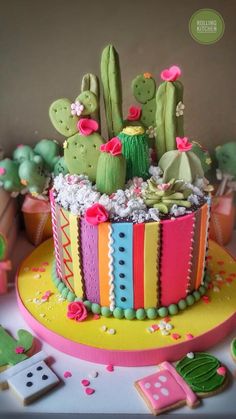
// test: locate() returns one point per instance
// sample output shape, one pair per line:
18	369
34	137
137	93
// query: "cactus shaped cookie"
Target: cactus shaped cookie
169	111
82	150
49	150
144	91
90	83
9	177
111	168
22	153
13	351
182	163
32	175
112	91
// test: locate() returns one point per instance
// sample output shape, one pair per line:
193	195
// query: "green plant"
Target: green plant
144	91
13	351
90	83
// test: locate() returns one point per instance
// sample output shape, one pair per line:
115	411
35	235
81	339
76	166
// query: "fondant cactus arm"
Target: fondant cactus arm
62	119
13	351
111	81
90	82
179	88
89	102
144	91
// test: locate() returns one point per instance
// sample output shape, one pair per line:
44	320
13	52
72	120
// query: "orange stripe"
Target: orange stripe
103	251
202	246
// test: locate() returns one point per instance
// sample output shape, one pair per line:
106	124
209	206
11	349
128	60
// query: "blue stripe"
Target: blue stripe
122	234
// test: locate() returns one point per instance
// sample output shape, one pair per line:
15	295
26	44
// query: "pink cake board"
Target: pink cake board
127	358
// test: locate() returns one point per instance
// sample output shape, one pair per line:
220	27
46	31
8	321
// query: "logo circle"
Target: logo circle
206	26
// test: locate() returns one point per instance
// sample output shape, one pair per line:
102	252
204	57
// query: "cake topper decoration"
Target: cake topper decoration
171	74
183	144
76	108
144	91
87	126
90	83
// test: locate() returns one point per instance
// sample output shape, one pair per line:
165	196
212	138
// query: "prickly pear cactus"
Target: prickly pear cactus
61	117
49	150
13	351
90	83
9	176
169	119
81	154
89	101
144	91
32	175
112	91
22	153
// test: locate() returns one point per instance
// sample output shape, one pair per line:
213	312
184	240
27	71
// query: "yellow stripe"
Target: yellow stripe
75	254
151	251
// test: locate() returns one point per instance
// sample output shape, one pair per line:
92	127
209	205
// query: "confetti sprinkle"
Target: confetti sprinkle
85	383
111	331
175	336
89	391
96	317
222	272
110	368
155	327
37	276
34	269
26	269
41	269
45	264
93	374
206	299
67	374
216	289
190	355
104	328
189	336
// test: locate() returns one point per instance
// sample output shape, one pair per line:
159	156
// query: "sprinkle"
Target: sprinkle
110	368
67	374
165	332
216	289
229	279
26	269
189	336
220	262
221	370
222	272
37	276
155	327
41	269
167	319
111	331
37	301
34	269
85	383
89	391
175	336
93	374
206	299
150	329
96	317
104	328
169	326
190	355
19	350
42	314
29	300
45	264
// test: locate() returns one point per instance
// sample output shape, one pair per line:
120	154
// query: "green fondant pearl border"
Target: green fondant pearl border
151	313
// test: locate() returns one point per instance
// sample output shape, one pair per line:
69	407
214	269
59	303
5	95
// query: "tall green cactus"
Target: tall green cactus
168	124
90	83
9	346
111	172
144	91
112	92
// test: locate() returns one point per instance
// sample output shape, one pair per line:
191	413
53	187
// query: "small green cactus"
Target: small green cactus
112	92
169	122
111	168
22	153
90	83
49	150
163	197
10	349
60	167
9	176
32	175
144	91
136	151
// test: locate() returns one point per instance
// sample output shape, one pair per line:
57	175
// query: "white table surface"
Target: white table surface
115	393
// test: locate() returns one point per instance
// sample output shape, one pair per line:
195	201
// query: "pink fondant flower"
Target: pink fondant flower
163	186
113	147
96	214
183	144
19	350
2	171
171	74
77	108
221	371
77	311
134	113
87	126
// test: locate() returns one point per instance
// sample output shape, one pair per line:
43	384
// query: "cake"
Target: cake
130	214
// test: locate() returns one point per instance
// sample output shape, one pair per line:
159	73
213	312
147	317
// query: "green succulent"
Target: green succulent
162	198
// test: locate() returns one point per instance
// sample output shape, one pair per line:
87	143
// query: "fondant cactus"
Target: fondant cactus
111	81
9	176
61	117
13	351
164	196
135	149
182	163
203	155
144	91
49	150
89	102
111	168
169	112
60	167
31	173
22	153
90	83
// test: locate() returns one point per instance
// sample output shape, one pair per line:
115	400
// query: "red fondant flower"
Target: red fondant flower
87	126
183	144
113	147
134	113
77	311
19	350
171	74
96	214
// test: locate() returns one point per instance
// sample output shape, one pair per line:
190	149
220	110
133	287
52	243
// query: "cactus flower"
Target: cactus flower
96	214
87	126
134	113
171	74
113	147
183	144
77	108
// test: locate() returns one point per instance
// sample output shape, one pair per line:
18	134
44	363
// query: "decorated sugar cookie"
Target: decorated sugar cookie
196	375
28	377
233	349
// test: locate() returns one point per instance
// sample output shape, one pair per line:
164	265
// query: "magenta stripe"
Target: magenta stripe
89	247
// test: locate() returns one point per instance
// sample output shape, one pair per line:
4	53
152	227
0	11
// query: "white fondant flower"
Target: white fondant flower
77	108
180	109
151	131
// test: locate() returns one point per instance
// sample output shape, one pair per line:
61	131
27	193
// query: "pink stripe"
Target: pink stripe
89	247
55	234
175	257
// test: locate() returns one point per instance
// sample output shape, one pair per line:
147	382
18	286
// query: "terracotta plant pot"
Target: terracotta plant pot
37	218
222	218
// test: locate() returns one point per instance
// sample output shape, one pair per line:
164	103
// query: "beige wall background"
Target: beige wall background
46	46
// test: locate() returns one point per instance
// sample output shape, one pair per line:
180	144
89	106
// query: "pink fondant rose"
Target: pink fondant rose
171	74
113	147
134	113
87	126
77	311
183	144
96	214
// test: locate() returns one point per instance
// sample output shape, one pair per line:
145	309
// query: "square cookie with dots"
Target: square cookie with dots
33	381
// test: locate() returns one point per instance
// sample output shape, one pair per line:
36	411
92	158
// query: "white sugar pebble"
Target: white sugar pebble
162	378
169	326
104	328
112	331
26	269
165	392
93	374
190	355
165	332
